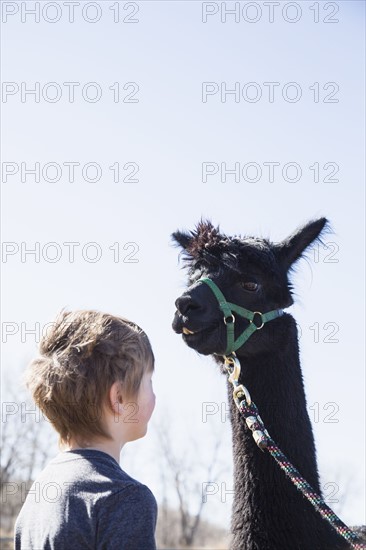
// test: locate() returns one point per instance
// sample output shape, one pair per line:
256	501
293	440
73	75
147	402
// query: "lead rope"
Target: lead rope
264	441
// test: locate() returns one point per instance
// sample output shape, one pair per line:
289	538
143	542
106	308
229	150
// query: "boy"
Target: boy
93	382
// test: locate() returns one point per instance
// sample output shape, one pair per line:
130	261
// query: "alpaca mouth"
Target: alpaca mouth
204	340
187	331
192	335
197	333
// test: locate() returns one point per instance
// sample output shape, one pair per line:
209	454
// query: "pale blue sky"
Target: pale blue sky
169	133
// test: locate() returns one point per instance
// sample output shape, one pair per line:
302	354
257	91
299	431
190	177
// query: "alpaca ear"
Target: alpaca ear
291	249
182	239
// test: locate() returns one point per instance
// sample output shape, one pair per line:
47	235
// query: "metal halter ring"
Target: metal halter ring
228	317
231	359
252	321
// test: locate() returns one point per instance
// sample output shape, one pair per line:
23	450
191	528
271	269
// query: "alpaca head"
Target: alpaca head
251	272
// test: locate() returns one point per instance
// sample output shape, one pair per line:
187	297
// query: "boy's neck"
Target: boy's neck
112	448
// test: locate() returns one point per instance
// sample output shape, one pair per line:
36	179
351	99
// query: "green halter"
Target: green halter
227	308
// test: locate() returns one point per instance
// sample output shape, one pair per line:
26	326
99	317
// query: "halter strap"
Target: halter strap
227	308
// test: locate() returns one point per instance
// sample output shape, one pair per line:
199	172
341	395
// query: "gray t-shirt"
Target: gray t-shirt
84	500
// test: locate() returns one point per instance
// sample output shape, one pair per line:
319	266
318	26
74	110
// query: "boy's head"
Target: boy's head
82	355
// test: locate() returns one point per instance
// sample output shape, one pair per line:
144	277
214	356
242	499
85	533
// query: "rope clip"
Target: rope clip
234	372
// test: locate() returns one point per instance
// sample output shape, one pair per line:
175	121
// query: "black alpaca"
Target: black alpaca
268	511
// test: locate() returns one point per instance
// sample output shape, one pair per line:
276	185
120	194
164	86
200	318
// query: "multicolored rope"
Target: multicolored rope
264	441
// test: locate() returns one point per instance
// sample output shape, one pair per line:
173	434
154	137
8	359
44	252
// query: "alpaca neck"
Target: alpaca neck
268	511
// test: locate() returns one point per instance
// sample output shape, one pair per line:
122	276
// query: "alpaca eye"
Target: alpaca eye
252	287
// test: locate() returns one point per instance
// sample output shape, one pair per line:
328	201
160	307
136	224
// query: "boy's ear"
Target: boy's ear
115	396
291	249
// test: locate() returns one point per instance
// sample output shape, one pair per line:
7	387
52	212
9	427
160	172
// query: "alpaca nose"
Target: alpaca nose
185	304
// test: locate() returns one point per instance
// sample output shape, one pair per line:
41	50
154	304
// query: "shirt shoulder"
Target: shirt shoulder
127	519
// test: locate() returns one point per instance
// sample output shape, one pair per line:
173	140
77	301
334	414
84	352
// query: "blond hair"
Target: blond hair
82	355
